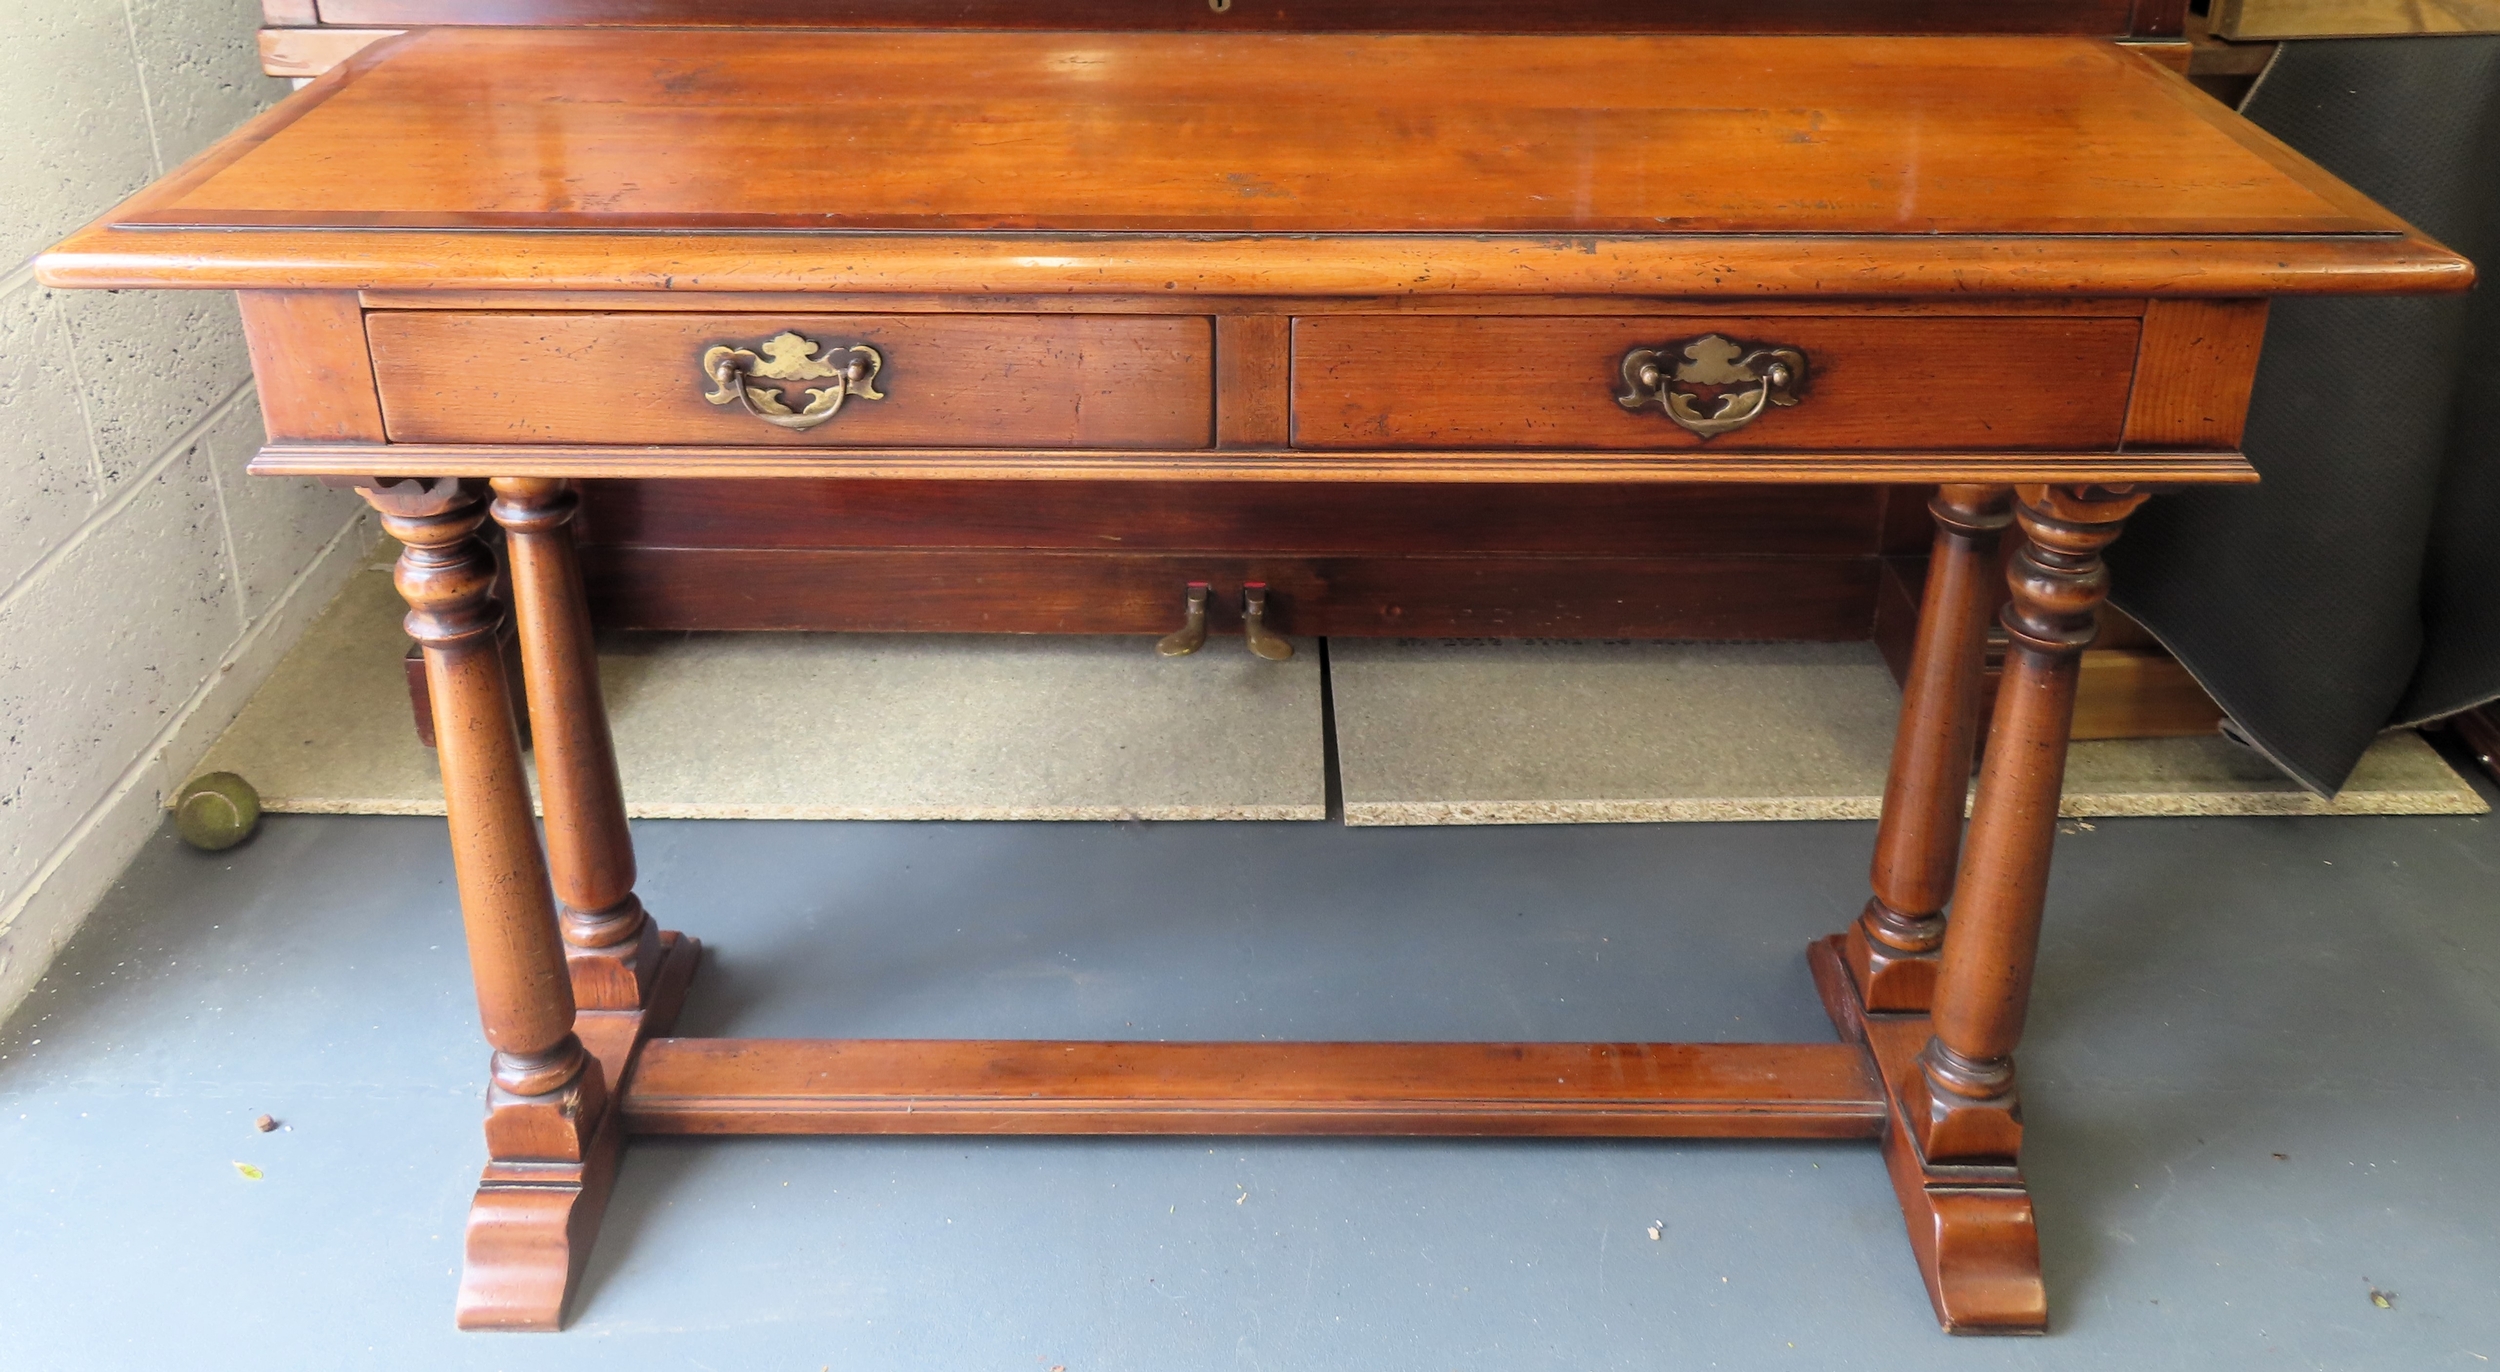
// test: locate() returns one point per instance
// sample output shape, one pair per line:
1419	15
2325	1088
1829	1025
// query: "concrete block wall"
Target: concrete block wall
146	585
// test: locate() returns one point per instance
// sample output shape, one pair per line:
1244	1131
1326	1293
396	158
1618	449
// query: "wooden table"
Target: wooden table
2031	272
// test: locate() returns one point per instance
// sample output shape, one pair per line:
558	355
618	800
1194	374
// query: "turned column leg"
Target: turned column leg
1963	1107
611	944
551	1134
547	1091
1891	949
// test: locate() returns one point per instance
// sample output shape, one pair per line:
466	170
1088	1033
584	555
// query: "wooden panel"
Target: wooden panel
1406	465
2140	693
2109	17
2193	375
890	1086
284	13
310	52
1134	517
309	359
1130	381
2128	687
2258	19
1907	528
1599	561
1253	375
1493	382
1823	599
478	128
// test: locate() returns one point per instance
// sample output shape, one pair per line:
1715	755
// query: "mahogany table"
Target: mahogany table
2031	272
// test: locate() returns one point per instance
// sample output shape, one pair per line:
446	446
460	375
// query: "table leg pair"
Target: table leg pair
572	974
1940	1004
573	979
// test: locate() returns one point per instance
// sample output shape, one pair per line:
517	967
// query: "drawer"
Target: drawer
956	381
1871	382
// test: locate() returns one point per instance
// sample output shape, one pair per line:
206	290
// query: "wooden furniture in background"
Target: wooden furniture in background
2245	20
2480	730
521	259
2129	685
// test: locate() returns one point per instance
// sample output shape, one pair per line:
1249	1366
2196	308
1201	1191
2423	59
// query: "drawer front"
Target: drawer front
954	381
1877	383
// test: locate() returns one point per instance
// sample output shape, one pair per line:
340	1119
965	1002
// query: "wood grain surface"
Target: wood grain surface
1253	380
1421	266
1509	382
2195	372
1915	169
685	300
314	373
2244	20
1125	516
1409	465
1738	562
981	591
2109	17
1163	133
963	380
907	1086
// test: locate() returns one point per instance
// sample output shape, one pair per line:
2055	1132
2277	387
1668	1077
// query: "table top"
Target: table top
728	159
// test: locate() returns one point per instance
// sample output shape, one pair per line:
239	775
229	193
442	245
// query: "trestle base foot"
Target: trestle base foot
532	1225
1971	1226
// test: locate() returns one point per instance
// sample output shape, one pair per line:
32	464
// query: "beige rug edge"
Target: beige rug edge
2461	800
393	805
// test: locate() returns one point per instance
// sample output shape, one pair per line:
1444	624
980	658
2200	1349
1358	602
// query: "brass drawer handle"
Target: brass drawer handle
1746	381
788	357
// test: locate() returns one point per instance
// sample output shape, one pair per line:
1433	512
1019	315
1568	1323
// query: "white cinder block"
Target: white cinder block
49	482
201	61
73	123
101	649
118	606
151	364
35	922
278	522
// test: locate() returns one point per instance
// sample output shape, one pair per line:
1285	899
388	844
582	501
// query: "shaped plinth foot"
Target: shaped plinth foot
533	1223
1971	1226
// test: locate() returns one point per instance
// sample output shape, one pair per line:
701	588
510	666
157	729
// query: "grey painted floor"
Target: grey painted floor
2260	1077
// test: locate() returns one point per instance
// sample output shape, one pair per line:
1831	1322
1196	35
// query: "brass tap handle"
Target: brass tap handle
1192	635
788	357
1264	641
1741	383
